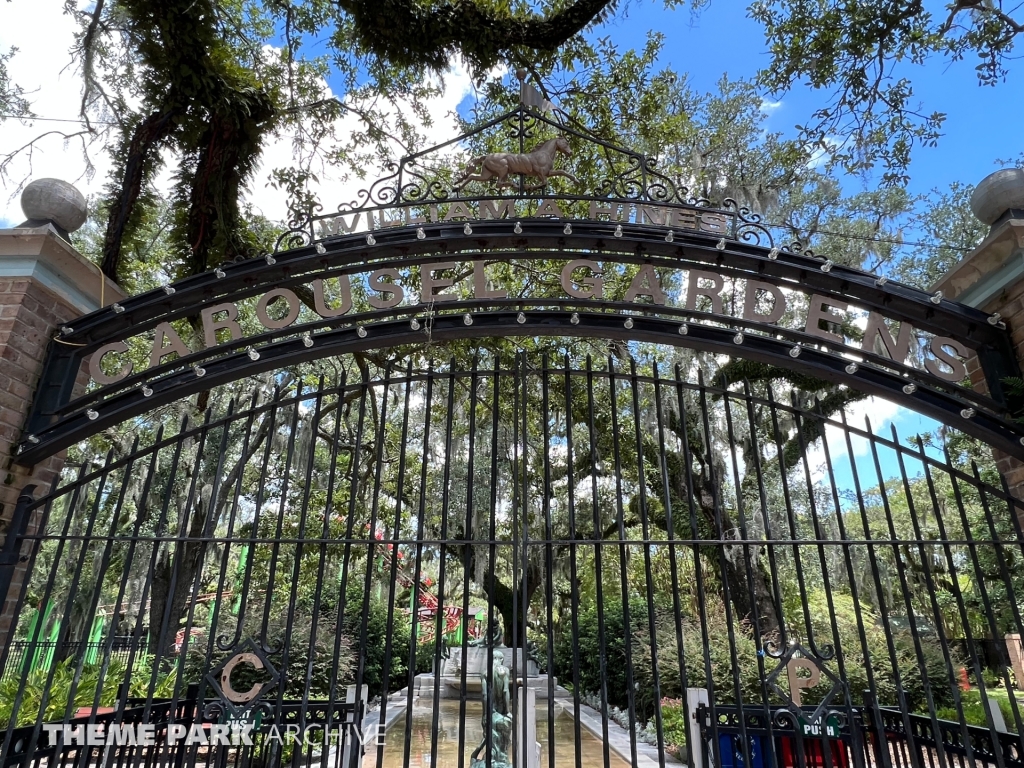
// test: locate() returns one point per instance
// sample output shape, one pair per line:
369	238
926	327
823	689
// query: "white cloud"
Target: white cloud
821	154
881	412
333	188
770	106
44	36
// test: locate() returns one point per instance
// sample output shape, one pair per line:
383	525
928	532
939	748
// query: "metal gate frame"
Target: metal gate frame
622	426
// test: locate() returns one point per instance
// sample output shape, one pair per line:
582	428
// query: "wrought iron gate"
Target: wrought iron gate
666	563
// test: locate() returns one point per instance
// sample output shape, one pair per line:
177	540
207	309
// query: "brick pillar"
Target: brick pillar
44	283
991	278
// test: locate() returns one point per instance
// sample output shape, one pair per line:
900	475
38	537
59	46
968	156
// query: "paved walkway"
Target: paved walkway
647	755
590	719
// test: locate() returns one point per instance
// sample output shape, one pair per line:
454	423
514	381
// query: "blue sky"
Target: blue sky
983	123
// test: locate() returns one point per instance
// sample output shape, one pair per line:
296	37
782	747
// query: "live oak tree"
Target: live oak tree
207	84
12	97
213	94
717	146
860	54
949	231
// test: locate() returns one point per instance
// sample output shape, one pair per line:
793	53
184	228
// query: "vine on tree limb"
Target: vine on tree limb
212	101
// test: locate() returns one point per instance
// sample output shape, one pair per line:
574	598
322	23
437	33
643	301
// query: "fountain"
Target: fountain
439	746
473	667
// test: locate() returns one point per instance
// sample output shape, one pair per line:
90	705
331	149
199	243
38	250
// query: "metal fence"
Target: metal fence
119	731
24	656
870	736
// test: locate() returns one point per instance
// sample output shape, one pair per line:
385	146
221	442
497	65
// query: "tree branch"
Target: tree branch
137	165
409	33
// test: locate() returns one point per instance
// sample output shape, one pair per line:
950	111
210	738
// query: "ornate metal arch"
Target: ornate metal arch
59	420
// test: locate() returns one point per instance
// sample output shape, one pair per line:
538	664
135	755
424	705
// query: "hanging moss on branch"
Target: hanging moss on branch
205	107
215	82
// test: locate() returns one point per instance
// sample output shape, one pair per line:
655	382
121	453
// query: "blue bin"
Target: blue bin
730	750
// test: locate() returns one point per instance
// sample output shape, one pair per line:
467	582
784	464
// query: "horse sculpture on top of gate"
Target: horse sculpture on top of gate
498	165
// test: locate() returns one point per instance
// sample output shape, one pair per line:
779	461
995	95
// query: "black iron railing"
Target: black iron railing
649	533
764	737
931	741
332	730
778	738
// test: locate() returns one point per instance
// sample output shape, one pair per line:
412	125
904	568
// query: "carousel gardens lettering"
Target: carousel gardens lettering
432	285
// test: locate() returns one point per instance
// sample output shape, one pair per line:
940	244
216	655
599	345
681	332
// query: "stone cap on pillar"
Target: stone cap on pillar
39	249
997	263
52	201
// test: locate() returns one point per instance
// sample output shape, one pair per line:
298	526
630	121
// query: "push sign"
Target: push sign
827	727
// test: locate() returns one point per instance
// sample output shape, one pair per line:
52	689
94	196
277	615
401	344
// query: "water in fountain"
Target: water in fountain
422	735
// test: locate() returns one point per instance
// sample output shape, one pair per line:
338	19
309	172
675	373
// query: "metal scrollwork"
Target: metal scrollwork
523	124
750	227
797	249
797	656
419	188
774	648
825	652
784	718
384	191
236	703
300	218
292	238
427	179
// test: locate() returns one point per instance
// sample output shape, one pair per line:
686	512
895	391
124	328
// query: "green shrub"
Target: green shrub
740	663
728	664
592	673
373	653
934	667
306	678
59	692
425	653
858	639
673	722
311	677
142	677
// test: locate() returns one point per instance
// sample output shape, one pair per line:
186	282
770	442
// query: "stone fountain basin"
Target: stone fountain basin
476	664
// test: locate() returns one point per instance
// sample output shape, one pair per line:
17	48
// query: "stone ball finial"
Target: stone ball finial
54	200
997	194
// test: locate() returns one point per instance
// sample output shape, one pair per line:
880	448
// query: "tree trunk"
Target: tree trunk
750	598
749	592
504	599
173	582
138	166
